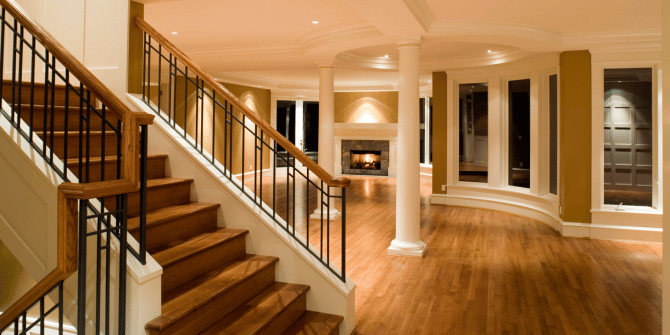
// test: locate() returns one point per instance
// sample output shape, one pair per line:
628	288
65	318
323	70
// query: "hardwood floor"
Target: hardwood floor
488	272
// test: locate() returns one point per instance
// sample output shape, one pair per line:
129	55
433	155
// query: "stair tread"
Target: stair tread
98	159
196	245
257	313
166	214
187	298
167	181
315	323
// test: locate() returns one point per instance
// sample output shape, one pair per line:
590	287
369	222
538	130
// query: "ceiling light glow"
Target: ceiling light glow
315	22
386	56
489	51
174	33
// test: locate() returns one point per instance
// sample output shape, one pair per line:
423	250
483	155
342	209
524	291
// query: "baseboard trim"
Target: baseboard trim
566	229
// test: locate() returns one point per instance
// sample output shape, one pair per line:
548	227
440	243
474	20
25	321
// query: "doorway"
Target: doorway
298	121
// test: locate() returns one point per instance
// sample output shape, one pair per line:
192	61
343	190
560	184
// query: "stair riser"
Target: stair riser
180	229
182	272
73	145
284	320
38	93
59	119
155	169
157	197
222	305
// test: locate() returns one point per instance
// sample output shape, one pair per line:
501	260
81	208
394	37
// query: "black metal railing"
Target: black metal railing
104	225
241	151
80	138
23	325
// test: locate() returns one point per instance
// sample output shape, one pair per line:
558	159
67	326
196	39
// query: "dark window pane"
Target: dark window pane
628	137
519	133
473	132
553	134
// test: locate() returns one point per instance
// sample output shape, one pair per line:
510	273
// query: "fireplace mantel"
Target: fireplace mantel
367	131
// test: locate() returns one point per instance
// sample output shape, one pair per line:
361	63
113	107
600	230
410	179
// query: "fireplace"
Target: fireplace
366	159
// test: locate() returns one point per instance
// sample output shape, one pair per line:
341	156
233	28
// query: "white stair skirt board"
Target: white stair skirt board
412	249
332	214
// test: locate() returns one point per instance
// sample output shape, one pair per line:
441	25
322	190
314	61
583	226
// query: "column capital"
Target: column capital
408	41
325	64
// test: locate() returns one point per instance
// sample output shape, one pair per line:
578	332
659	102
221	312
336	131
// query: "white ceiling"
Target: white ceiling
273	43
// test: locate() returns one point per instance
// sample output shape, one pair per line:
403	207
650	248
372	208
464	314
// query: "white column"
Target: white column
327	127
408	202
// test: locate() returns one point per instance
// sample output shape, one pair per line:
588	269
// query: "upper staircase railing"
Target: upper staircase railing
94	142
232	137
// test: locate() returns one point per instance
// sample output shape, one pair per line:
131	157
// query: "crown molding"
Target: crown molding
246	80
340	32
531	63
453	27
245	51
422	12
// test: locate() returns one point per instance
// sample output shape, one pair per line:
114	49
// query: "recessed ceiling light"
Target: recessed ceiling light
315	22
174	33
489	51
386	56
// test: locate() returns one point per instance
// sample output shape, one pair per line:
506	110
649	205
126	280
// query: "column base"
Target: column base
332	214
411	249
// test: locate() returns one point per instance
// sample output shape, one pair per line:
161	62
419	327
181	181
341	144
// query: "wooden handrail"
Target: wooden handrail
251	115
69	194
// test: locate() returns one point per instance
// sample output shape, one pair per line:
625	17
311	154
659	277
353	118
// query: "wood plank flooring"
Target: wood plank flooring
489	272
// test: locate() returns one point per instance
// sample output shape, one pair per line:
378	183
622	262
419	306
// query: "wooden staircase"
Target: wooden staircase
210	285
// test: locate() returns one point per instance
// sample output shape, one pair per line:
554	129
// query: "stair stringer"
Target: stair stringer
328	294
28	227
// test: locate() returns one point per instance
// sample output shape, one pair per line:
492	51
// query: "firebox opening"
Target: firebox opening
366	159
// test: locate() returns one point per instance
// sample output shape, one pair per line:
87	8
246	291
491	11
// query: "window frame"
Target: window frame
598	136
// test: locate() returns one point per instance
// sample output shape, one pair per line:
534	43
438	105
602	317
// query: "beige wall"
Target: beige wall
666	169
439	131
575	136
366	107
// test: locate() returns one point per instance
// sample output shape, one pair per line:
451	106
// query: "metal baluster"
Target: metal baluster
53	110
202	117
122	264
81	133
81	268
32	91
328	227
244	153
46	97
197	109
260	202
60	308
53	116
98	253
255	160
169	111
213	127
148	68
20	103
108	269
294	195
307	210
12	105
225	137
42	315
143	193
144	69
2	52
160	62
185	98
274	185
321	242
344	232
230	144
174	103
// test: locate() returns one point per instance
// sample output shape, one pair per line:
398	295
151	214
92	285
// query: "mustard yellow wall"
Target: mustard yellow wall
439	131
575	136
366	107
14	280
